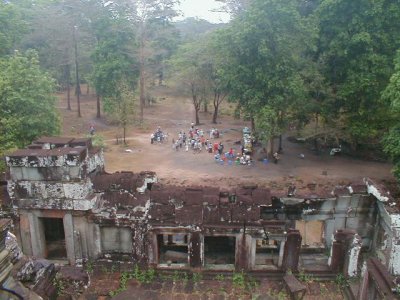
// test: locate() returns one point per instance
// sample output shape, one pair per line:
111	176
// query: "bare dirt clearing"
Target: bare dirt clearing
174	114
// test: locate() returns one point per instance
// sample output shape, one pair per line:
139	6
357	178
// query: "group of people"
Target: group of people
196	140
239	158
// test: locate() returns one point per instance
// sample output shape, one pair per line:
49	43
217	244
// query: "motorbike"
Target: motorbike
336	151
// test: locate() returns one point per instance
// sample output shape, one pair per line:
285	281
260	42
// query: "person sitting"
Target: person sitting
210	148
92	130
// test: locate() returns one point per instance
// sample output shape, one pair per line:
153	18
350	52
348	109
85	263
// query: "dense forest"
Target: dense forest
329	65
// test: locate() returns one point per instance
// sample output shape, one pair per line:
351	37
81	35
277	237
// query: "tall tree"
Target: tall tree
12	27
357	43
145	14
123	109
263	50
391	100
190	67
27	103
113	56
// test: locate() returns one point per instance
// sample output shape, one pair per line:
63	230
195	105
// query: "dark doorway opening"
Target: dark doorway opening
173	248
267	253
219	250
55	238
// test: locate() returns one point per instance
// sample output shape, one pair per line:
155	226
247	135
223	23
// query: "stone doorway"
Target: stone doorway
54	238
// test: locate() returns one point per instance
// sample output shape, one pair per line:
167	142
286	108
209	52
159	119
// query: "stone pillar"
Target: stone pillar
94	241
195	256
69	237
144	245
38	239
25	234
243	252
292	250
394	258
345	250
78	248
281	253
353	254
336	258
5	263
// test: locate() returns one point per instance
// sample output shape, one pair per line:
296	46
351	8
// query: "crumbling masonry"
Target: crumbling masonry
69	208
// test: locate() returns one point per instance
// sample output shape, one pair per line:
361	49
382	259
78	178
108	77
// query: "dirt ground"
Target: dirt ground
175	113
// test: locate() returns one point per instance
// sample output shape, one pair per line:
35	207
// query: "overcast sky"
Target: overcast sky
201	9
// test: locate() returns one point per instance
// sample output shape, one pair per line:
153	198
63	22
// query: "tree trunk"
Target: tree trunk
197	116
205	105
68	83
69	95
271	147
160	78
124	134
142	98
215	115
253	124
280	149
98	107
77	87
87	88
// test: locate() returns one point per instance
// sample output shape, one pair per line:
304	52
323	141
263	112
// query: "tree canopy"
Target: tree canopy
27	103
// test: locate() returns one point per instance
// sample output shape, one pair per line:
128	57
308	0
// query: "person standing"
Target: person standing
276	157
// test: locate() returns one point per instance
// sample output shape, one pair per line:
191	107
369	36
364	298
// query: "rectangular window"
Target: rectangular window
172	249
116	240
220	250
267	254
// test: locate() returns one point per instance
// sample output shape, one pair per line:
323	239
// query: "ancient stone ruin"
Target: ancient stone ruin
67	208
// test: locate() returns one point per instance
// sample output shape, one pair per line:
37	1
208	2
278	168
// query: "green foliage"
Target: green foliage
239	280
111	57
262	53
220	277
121	105
305	277
392	147
27	104
266	124
341	281
196	277
60	286
97	140
89	266
123	280
12	27
357	43
391	98
145	276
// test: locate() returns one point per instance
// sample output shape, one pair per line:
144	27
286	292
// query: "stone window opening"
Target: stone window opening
172	249
267	253
219	252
